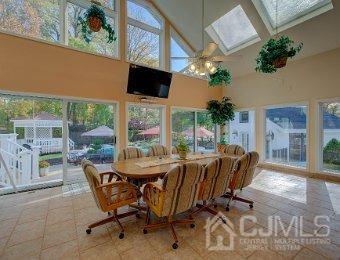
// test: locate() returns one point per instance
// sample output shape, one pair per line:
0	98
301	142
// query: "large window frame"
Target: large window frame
162	126
143	26
195	110
320	135
264	130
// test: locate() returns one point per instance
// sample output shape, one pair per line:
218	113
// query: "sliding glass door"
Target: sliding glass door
91	135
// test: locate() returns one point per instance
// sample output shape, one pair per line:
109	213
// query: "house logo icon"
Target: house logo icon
211	225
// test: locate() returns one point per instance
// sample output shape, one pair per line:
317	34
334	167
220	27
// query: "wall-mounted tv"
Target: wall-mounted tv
148	82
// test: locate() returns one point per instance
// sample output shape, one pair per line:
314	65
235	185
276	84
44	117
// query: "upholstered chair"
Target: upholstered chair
217	177
110	195
158	150
130	153
231	149
177	193
174	150
243	177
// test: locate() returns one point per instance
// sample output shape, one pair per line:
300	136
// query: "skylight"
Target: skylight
289	12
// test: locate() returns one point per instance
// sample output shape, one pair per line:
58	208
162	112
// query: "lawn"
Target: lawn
331	167
50	156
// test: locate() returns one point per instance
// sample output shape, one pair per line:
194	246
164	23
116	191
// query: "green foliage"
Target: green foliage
182	145
331	152
273	50
221	111
96	145
222	77
44	164
96	11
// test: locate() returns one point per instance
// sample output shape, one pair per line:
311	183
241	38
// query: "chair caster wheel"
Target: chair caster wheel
192	225
88	231
145	231
227	208
121	235
224	221
174	245
251	206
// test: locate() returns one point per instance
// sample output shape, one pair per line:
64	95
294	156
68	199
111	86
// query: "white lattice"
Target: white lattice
29	132
43	133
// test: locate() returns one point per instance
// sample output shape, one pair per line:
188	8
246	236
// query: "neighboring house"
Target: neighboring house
285	139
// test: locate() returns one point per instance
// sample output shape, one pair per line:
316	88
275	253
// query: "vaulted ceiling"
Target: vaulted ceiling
319	34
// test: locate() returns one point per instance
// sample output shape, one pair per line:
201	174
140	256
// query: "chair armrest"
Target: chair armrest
111	175
119	187
153	195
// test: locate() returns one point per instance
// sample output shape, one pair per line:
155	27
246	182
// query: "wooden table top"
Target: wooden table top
129	169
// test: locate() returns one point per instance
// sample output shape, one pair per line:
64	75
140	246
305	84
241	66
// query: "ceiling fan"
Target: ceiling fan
204	63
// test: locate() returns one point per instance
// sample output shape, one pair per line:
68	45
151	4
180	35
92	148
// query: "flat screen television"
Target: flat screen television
148	82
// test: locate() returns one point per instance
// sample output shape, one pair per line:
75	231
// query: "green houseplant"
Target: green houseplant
221	112
222	77
43	168
274	54
182	148
94	20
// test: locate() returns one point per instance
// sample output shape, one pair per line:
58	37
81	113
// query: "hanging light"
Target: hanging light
192	67
212	70
208	64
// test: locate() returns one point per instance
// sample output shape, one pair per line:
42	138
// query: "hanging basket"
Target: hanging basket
94	23
280	62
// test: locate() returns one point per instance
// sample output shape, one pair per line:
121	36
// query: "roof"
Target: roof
41	116
101	131
297	118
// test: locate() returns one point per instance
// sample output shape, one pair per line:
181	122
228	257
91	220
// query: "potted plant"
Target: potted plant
182	148
221	112
274	54
43	168
222	77
94	20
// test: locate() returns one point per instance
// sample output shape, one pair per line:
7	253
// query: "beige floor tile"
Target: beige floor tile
26	250
59	215
3	242
184	251
59	233
32	214
305	253
140	251
60	202
266	255
27	231
99	235
223	255
68	250
6	227
105	251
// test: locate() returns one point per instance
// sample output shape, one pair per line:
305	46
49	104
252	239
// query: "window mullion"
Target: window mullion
144	26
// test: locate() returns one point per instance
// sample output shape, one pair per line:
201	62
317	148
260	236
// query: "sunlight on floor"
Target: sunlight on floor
334	195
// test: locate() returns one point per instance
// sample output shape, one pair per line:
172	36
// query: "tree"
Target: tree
331	152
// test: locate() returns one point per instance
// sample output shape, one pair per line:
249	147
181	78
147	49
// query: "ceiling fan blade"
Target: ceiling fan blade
211	47
183	58
226	58
185	68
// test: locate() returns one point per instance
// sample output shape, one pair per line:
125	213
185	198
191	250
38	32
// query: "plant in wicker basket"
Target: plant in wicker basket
222	77
94	20
182	148
274	54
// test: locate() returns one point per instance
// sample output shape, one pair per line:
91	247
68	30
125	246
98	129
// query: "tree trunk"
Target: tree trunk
223	134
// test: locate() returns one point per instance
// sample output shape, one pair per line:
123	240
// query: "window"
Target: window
330	133
37	19
285	135
290	12
99	41
242	130
196	127
144	32
233	31
145	126
178	49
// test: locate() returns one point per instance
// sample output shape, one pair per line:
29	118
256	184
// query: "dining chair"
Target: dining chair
177	193
110	195
158	150
130	153
242	178
174	150
217	177
231	149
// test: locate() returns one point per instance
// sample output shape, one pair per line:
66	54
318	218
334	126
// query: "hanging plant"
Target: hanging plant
94	20
274	54
222	77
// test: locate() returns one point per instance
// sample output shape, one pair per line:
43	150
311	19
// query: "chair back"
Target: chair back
130	153
174	150
217	177
158	150
244	173
182	186
234	150
93	179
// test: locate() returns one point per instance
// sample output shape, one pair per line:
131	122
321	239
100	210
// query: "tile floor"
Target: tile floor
45	224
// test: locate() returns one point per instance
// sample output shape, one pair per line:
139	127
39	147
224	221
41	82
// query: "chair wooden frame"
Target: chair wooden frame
103	194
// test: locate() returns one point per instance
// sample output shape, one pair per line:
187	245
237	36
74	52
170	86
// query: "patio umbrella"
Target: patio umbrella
101	131
151	131
201	133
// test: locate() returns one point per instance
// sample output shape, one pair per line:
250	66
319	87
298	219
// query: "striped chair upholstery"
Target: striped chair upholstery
158	150
130	153
231	149
217	176
174	150
245	170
